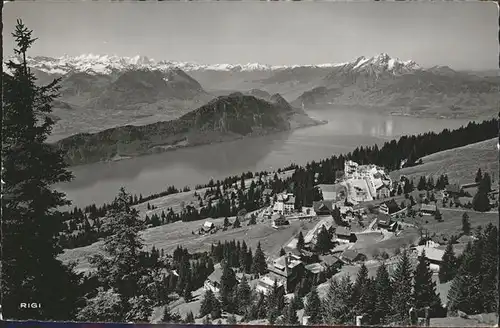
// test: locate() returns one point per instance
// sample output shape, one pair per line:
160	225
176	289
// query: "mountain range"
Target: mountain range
101	92
222	119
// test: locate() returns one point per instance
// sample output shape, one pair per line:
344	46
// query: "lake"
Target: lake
346	129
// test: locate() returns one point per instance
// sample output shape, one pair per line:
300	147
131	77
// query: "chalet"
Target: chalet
331	262
207	226
384	221
345	235
340	248
428	209
433	255
266	284
351	256
464	239
285	204
287	268
213	281
453	190
323	207
314	269
383	191
390	207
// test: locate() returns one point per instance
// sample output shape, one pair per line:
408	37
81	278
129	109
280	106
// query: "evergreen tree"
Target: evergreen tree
448	267
424	289
188	296
236	223
337	308
119	265
244	295
480	202
479	176
363	295
422	184
209	303
282	252
140	309
228	282
402	286
31	220
485	184
323	241
466	228
290	316
189	317
298	303
106	306
231	320
300	241
259	265
313	307
384	292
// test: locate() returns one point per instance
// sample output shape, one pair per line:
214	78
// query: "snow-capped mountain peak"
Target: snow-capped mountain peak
106	64
384	62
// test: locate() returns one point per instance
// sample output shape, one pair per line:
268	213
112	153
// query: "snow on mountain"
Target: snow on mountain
106	64
382	63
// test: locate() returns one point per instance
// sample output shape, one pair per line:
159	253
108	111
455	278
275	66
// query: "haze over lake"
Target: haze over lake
346	130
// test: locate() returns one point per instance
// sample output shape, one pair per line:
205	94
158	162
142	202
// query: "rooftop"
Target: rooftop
217	274
430	252
343	231
428	207
315	268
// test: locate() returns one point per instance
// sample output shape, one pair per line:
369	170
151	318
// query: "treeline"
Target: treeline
408	149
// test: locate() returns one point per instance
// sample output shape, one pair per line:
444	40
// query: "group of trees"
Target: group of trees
238	255
411	148
384	299
474	274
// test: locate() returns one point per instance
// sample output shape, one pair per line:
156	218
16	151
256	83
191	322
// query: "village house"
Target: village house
345	235
213	281
285	204
383	191
315	270
384	221
338	249
351	256
428	209
207	227
453	190
331	262
323	207
390	207
432	254
287	268
266	284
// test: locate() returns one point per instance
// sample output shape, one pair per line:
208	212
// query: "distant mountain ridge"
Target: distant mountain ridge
222	119
106	64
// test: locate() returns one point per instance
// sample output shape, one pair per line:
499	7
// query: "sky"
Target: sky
460	35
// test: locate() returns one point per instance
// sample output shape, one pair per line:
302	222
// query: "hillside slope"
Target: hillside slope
460	164
224	118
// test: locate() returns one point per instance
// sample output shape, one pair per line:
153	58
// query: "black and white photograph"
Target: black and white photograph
250	163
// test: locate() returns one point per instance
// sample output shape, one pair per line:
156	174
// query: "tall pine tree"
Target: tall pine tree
402	286
383	289
448	267
424	289
31	221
